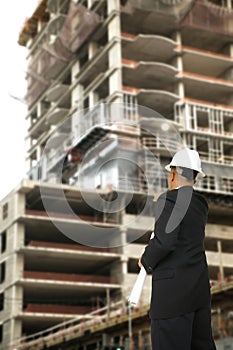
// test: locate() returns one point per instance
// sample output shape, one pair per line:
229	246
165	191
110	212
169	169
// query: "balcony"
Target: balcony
65	246
56	139
58	285
204	62
161	101
55	93
148	75
67	277
56	115
219	159
164	145
143	47
202	87
205	118
153	16
54	309
38	128
93	67
82	219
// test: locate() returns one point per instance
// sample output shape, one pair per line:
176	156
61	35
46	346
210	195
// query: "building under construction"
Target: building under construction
115	87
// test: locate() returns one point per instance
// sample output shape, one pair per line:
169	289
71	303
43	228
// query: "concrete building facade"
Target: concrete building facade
115	87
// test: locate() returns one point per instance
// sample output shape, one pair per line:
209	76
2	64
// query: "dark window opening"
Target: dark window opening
202	147
202	119
2	272
1	301
227	124
5	211
3	242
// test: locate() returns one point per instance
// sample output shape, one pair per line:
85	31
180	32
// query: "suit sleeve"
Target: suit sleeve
164	242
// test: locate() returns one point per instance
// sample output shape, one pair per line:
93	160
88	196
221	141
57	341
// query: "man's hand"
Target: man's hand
139	263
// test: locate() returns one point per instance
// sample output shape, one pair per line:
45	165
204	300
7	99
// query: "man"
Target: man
180	303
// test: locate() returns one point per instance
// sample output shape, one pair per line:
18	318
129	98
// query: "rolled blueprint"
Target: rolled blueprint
137	288
138	285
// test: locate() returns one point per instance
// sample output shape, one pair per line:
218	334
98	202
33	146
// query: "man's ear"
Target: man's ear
173	175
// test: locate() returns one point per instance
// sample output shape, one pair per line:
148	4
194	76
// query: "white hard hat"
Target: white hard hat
187	158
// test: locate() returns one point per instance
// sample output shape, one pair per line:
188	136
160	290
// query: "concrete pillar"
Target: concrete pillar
12	327
178	63
76	101
230	50
89	3
19	204
38	153
113	5
176	36
229	4
115	55
92	49
18	236
221	268
180	89
93	99
76	91
115	80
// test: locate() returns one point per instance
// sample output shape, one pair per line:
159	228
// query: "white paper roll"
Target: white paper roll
138	285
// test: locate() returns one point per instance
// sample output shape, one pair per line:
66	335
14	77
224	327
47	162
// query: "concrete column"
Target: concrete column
229	4
12	330
12	327
179	64
19	204
75	70
89	3
38	153
230	50
115	55
92	49
17	236
76	101
180	89
93	99
176	36
113	5
115	80
77	91
221	269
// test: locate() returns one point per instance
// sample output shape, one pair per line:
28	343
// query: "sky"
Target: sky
13	127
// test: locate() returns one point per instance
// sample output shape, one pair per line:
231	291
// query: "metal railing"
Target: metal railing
94	321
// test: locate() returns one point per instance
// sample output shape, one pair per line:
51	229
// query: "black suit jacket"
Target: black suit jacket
176	256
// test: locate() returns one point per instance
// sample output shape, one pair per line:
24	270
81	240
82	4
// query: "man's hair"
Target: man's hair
189	174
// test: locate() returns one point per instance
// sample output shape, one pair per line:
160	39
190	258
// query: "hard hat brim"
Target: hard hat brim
200	174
